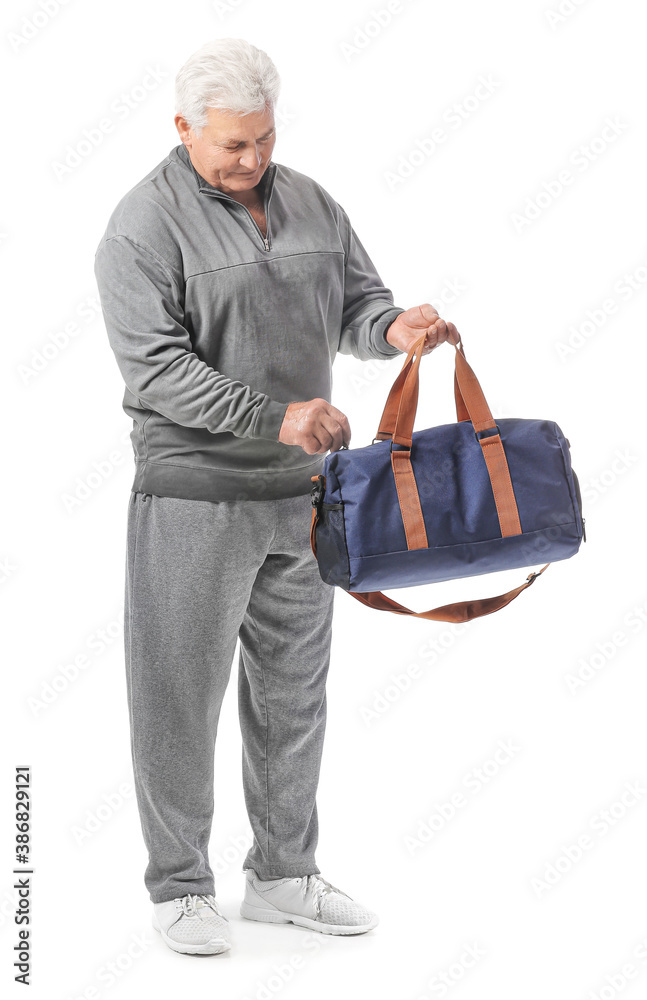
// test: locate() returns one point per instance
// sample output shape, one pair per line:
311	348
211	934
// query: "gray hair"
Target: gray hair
230	74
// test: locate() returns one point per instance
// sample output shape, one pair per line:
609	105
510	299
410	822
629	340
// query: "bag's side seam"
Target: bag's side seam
571	486
343	521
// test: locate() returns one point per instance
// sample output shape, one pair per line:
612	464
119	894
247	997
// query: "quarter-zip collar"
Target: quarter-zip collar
203	186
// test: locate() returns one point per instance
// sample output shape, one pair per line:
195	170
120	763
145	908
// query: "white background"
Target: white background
356	97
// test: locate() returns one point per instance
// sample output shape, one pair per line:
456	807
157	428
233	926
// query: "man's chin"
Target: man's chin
242	178
244	182
249	179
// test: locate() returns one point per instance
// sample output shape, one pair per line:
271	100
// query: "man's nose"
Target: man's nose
251	158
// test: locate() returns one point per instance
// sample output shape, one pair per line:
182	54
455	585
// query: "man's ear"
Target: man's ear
183	129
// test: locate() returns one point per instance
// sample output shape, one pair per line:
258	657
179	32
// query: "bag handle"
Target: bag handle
400	410
403	402
389	414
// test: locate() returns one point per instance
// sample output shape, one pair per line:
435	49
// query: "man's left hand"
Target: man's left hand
409	326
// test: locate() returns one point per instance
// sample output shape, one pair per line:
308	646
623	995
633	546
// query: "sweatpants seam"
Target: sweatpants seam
131	616
267	727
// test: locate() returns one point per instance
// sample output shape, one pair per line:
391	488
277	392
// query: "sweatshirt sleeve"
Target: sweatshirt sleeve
142	301
368	305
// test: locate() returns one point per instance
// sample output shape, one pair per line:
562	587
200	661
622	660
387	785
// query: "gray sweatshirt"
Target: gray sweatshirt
216	329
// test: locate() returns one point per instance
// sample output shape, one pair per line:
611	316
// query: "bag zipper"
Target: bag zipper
578	497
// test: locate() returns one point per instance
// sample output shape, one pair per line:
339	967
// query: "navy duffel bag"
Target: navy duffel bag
460	500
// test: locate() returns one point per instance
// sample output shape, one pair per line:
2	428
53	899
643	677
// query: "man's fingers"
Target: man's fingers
454	335
439	332
336	424
436	334
344	425
428	312
442	330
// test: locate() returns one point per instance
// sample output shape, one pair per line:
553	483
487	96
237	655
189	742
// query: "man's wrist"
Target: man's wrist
385	335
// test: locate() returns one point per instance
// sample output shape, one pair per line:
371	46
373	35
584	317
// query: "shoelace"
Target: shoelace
319	887
188	905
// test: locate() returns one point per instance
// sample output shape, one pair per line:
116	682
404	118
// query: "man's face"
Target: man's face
232	151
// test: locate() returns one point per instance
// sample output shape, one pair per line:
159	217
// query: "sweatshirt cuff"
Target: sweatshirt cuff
269	419
378	334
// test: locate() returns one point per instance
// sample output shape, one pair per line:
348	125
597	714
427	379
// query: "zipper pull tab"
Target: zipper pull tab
318	489
267	246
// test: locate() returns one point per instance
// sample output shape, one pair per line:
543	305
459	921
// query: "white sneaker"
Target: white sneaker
192	925
309	901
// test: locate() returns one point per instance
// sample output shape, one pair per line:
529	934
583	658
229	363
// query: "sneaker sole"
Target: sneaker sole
281	917
214	947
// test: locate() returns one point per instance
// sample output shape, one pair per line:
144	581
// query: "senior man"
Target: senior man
228	284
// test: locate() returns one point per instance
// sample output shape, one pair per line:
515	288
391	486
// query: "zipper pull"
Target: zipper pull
267	246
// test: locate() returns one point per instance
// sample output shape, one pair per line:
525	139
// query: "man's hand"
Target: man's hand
316	426
409	326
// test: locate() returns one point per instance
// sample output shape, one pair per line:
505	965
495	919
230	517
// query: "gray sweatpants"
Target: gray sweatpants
199	575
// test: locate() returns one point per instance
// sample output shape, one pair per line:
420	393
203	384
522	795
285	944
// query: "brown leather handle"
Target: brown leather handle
405	401
404	396
390	412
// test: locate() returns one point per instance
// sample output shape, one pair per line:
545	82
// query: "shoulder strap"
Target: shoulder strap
462	611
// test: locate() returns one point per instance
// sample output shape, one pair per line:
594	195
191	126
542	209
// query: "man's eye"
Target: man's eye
233	149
